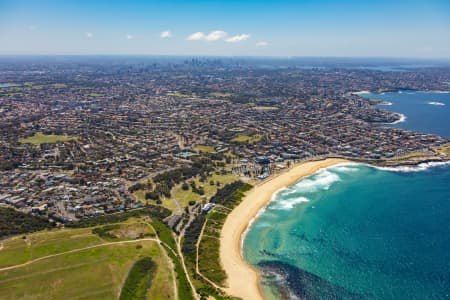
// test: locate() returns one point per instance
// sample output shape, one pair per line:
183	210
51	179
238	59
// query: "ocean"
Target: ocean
426	112
357	232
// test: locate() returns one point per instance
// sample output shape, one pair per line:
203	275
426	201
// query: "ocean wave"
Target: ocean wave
289	203
440	92
436	103
345	168
417	168
402	119
321	181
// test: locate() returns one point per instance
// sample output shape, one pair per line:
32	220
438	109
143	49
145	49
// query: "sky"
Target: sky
349	28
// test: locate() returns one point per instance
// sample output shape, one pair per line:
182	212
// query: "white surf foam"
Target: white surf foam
402	119
345	168
289	203
417	168
322	180
436	103
440	92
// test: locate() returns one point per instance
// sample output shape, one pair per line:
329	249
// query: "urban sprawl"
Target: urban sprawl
76	138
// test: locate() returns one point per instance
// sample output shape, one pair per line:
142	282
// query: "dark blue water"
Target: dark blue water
425	112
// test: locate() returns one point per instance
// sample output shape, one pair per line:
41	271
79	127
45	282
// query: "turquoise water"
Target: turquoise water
356	232
427	112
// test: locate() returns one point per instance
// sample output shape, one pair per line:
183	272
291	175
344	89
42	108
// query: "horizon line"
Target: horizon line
222	56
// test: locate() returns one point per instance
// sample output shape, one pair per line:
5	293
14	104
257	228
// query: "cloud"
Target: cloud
216	35
166	34
196	36
89	35
262	44
211	37
130	37
238	38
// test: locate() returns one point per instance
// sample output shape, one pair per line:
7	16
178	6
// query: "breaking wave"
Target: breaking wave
401	120
321	181
436	103
417	168
346	168
289	203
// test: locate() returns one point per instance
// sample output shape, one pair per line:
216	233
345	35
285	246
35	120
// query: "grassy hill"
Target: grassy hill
79	264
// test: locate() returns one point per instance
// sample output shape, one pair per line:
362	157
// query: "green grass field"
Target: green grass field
248	139
220	95
96	273
93	273
183	197
40	138
179	95
445	149
17	250
204	148
58	85
208	251
95	95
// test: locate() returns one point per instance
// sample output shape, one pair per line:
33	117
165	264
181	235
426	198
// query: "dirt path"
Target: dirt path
172	271
178	242
197	270
76	250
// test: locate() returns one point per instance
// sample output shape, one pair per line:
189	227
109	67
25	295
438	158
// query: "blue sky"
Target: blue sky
402	28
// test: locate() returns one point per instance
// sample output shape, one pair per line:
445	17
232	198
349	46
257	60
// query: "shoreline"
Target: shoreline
401	120
243	280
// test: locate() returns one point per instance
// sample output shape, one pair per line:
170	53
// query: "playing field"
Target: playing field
40	138
205	148
247	139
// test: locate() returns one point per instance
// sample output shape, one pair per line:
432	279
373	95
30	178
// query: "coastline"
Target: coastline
243	280
402	118
361	92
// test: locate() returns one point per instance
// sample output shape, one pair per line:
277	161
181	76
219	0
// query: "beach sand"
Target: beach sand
243	280
361	93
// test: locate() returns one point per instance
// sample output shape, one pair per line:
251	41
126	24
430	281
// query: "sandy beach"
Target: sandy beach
243	280
361	92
